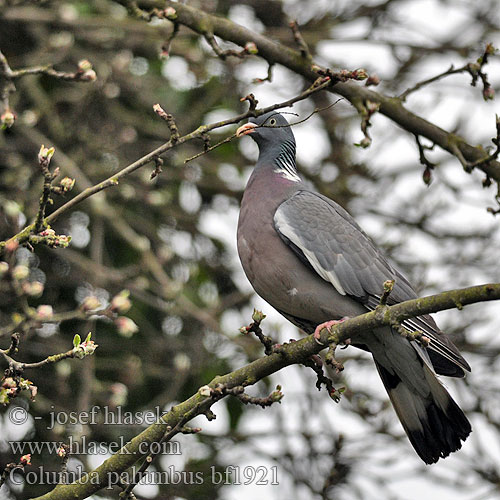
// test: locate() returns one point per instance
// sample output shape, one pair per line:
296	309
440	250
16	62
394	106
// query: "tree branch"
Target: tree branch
84	73
274	52
289	354
27	234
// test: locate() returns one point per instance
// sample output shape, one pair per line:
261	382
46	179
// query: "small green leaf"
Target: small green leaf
77	340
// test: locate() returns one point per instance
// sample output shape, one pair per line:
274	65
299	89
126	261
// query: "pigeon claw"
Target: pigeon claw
327	325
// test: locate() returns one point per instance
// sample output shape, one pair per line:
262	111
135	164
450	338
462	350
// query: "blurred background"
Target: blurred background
171	241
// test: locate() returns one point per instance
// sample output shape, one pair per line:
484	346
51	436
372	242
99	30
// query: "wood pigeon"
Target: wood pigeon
306	256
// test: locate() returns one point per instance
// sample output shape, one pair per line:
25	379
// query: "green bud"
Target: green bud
45	153
258	316
67	184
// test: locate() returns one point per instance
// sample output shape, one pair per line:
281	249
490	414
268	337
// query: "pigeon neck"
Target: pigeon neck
282	163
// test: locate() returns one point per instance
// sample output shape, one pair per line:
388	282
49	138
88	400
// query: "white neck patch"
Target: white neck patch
288	173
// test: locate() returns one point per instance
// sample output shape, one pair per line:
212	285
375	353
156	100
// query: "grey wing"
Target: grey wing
326	238
336	247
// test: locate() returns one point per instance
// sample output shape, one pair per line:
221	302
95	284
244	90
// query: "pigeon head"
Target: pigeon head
268	131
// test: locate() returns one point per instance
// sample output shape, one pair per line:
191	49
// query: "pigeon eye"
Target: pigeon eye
272	121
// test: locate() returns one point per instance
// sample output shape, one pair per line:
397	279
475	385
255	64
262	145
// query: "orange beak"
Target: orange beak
248	128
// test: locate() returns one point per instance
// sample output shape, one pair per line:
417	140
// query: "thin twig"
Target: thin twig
174	131
299	40
210	148
456	151
366	109
64	452
429	166
474	69
44	161
450	71
16	367
316	364
6	85
275	397
415	335
255	328
24	235
495	154
268	78
223	54
388	287
11	467
165	49
230	138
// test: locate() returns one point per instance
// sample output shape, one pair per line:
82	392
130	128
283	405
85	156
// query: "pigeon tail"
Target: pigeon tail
434	423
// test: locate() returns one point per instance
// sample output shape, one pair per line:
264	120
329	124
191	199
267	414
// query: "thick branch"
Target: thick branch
274	52
292	353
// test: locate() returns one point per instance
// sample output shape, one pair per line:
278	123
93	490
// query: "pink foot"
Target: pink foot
327	325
